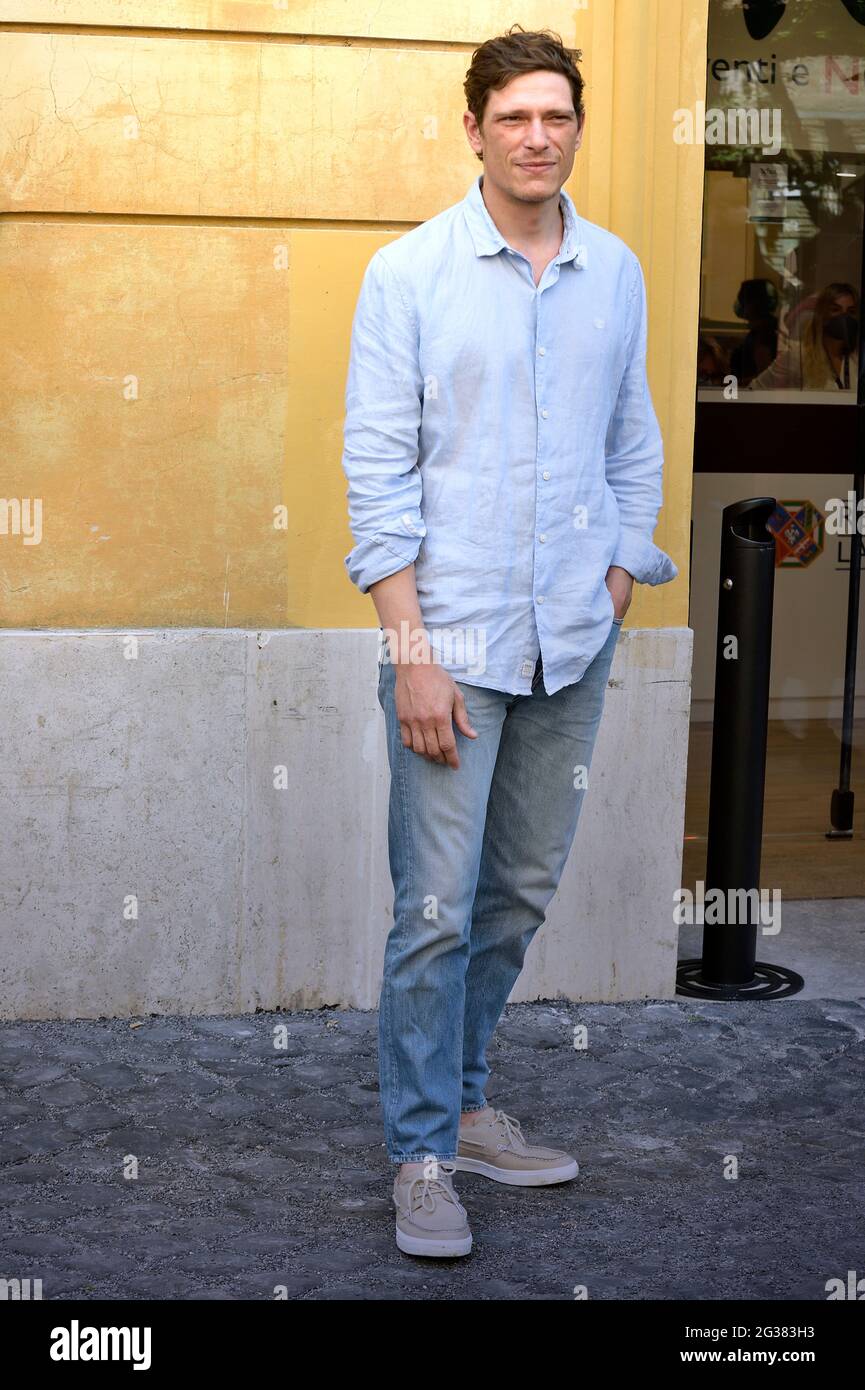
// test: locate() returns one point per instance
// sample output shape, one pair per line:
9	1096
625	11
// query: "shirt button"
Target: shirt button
540	598
546	473
542	538
545	413
542	352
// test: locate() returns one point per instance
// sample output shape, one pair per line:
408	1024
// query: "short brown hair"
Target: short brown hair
498	60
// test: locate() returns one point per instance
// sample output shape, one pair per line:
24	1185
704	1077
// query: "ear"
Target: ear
472	132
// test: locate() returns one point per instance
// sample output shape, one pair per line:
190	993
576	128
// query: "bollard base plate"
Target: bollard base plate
768	982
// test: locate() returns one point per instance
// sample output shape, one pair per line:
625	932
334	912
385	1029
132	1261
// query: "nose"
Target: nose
536	136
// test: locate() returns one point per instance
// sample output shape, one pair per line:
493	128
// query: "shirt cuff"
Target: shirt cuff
642	558
384	554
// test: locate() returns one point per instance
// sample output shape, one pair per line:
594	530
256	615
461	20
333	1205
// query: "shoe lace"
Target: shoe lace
511	1127
430	1188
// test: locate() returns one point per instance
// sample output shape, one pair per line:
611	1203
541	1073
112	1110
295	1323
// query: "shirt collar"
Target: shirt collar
488	240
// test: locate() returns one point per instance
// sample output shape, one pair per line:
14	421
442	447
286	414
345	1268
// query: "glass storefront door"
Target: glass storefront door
778	375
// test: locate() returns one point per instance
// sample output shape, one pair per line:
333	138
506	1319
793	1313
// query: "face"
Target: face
529	136
842	304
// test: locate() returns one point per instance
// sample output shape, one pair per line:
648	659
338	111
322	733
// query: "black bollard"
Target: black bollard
728	968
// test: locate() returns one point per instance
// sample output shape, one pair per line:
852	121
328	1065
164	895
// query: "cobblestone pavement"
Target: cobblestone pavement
261	1167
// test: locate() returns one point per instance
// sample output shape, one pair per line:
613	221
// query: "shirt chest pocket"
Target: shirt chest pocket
594	352
595	338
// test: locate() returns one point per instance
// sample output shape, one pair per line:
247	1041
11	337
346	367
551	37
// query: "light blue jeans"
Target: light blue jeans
475	856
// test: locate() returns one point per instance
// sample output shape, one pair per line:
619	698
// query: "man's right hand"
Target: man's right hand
428	704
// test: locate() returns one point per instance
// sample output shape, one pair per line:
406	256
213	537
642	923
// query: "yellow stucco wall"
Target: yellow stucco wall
191	190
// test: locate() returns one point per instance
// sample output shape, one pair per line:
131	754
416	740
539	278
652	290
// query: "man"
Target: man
504	465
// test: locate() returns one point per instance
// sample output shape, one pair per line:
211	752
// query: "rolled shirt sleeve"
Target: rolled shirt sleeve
635	455
383	405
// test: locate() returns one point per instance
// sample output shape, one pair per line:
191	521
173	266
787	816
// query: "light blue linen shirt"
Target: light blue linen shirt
501	436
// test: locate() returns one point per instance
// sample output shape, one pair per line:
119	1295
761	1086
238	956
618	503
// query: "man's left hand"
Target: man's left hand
620	584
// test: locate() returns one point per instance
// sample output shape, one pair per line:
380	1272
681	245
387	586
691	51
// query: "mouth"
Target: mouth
539	168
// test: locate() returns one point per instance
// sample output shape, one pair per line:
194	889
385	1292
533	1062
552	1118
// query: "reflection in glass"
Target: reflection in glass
784	196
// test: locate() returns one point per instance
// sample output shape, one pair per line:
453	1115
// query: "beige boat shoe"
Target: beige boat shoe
495	1147
430	1219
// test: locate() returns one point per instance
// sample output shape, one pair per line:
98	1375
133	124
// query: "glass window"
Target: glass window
785	184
